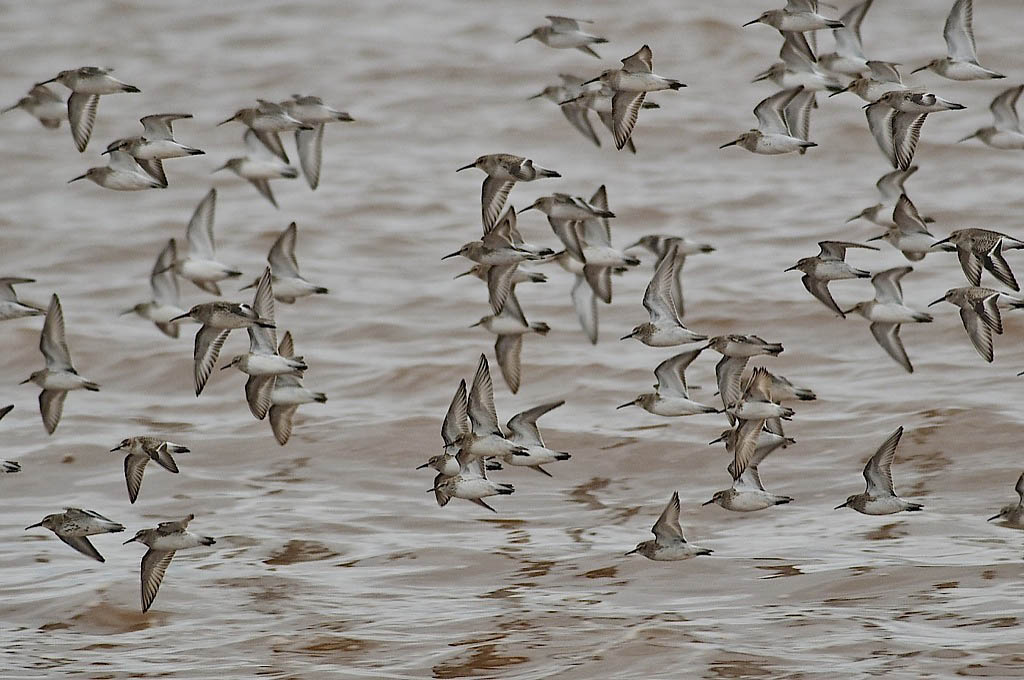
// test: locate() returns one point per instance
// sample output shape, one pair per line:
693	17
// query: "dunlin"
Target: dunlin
470	483
884	77
829	265
783	122
565	212
155	145
59	377
664	329
87	84
631	84
600	102
573	100
962	60
879	497
895	120
503	171
165	302
510	326
201	266
524	431
288	394
798	68
887	312
288	283
797	15
1013	514
43	105
259	166
736	350
455	433
1006	132
163	541
10	306
267	120
218	318
74	526
485	438
599	256
890	188
142	449
848	59
262	363
659	245
983	248
671	396
122	173
312	112
565	33
908	232
668	543
747	493
755	408
979	312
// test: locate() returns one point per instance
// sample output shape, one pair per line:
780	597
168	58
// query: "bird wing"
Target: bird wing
585	303
906	132
658	296
890	185
959	32
282	254
82	116
979	332
887	285
819	289
671	374
154	565
281	421
52	341
481	401
508	349
667	529
310	144
493	195
729	372
639	62
456	419
200	228
82	545
162	280
1004	109
907	218
770	112
625	109
209	340
134	467
878	471
523	426
879	122
259	390
888	337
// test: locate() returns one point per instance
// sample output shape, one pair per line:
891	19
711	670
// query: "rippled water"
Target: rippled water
331	561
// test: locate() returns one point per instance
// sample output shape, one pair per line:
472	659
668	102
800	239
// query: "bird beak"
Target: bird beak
633	551
476	324
28	379
116	448
47	82
130	540
707	503
855	217
760	77
971	136
841	506
626	337
103	153
945	240
420	467
223	167
941	299
994	517
466	167
876	238
529	207
625	405
592	80
226	121
715	441
791	268
845	89
570	101
536	96
635	245
77	178
179	318
923	68
455	254
732	143
434	490
459	276
525	37
751	23
39	524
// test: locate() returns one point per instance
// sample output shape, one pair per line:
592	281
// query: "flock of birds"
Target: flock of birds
475	444
274	384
